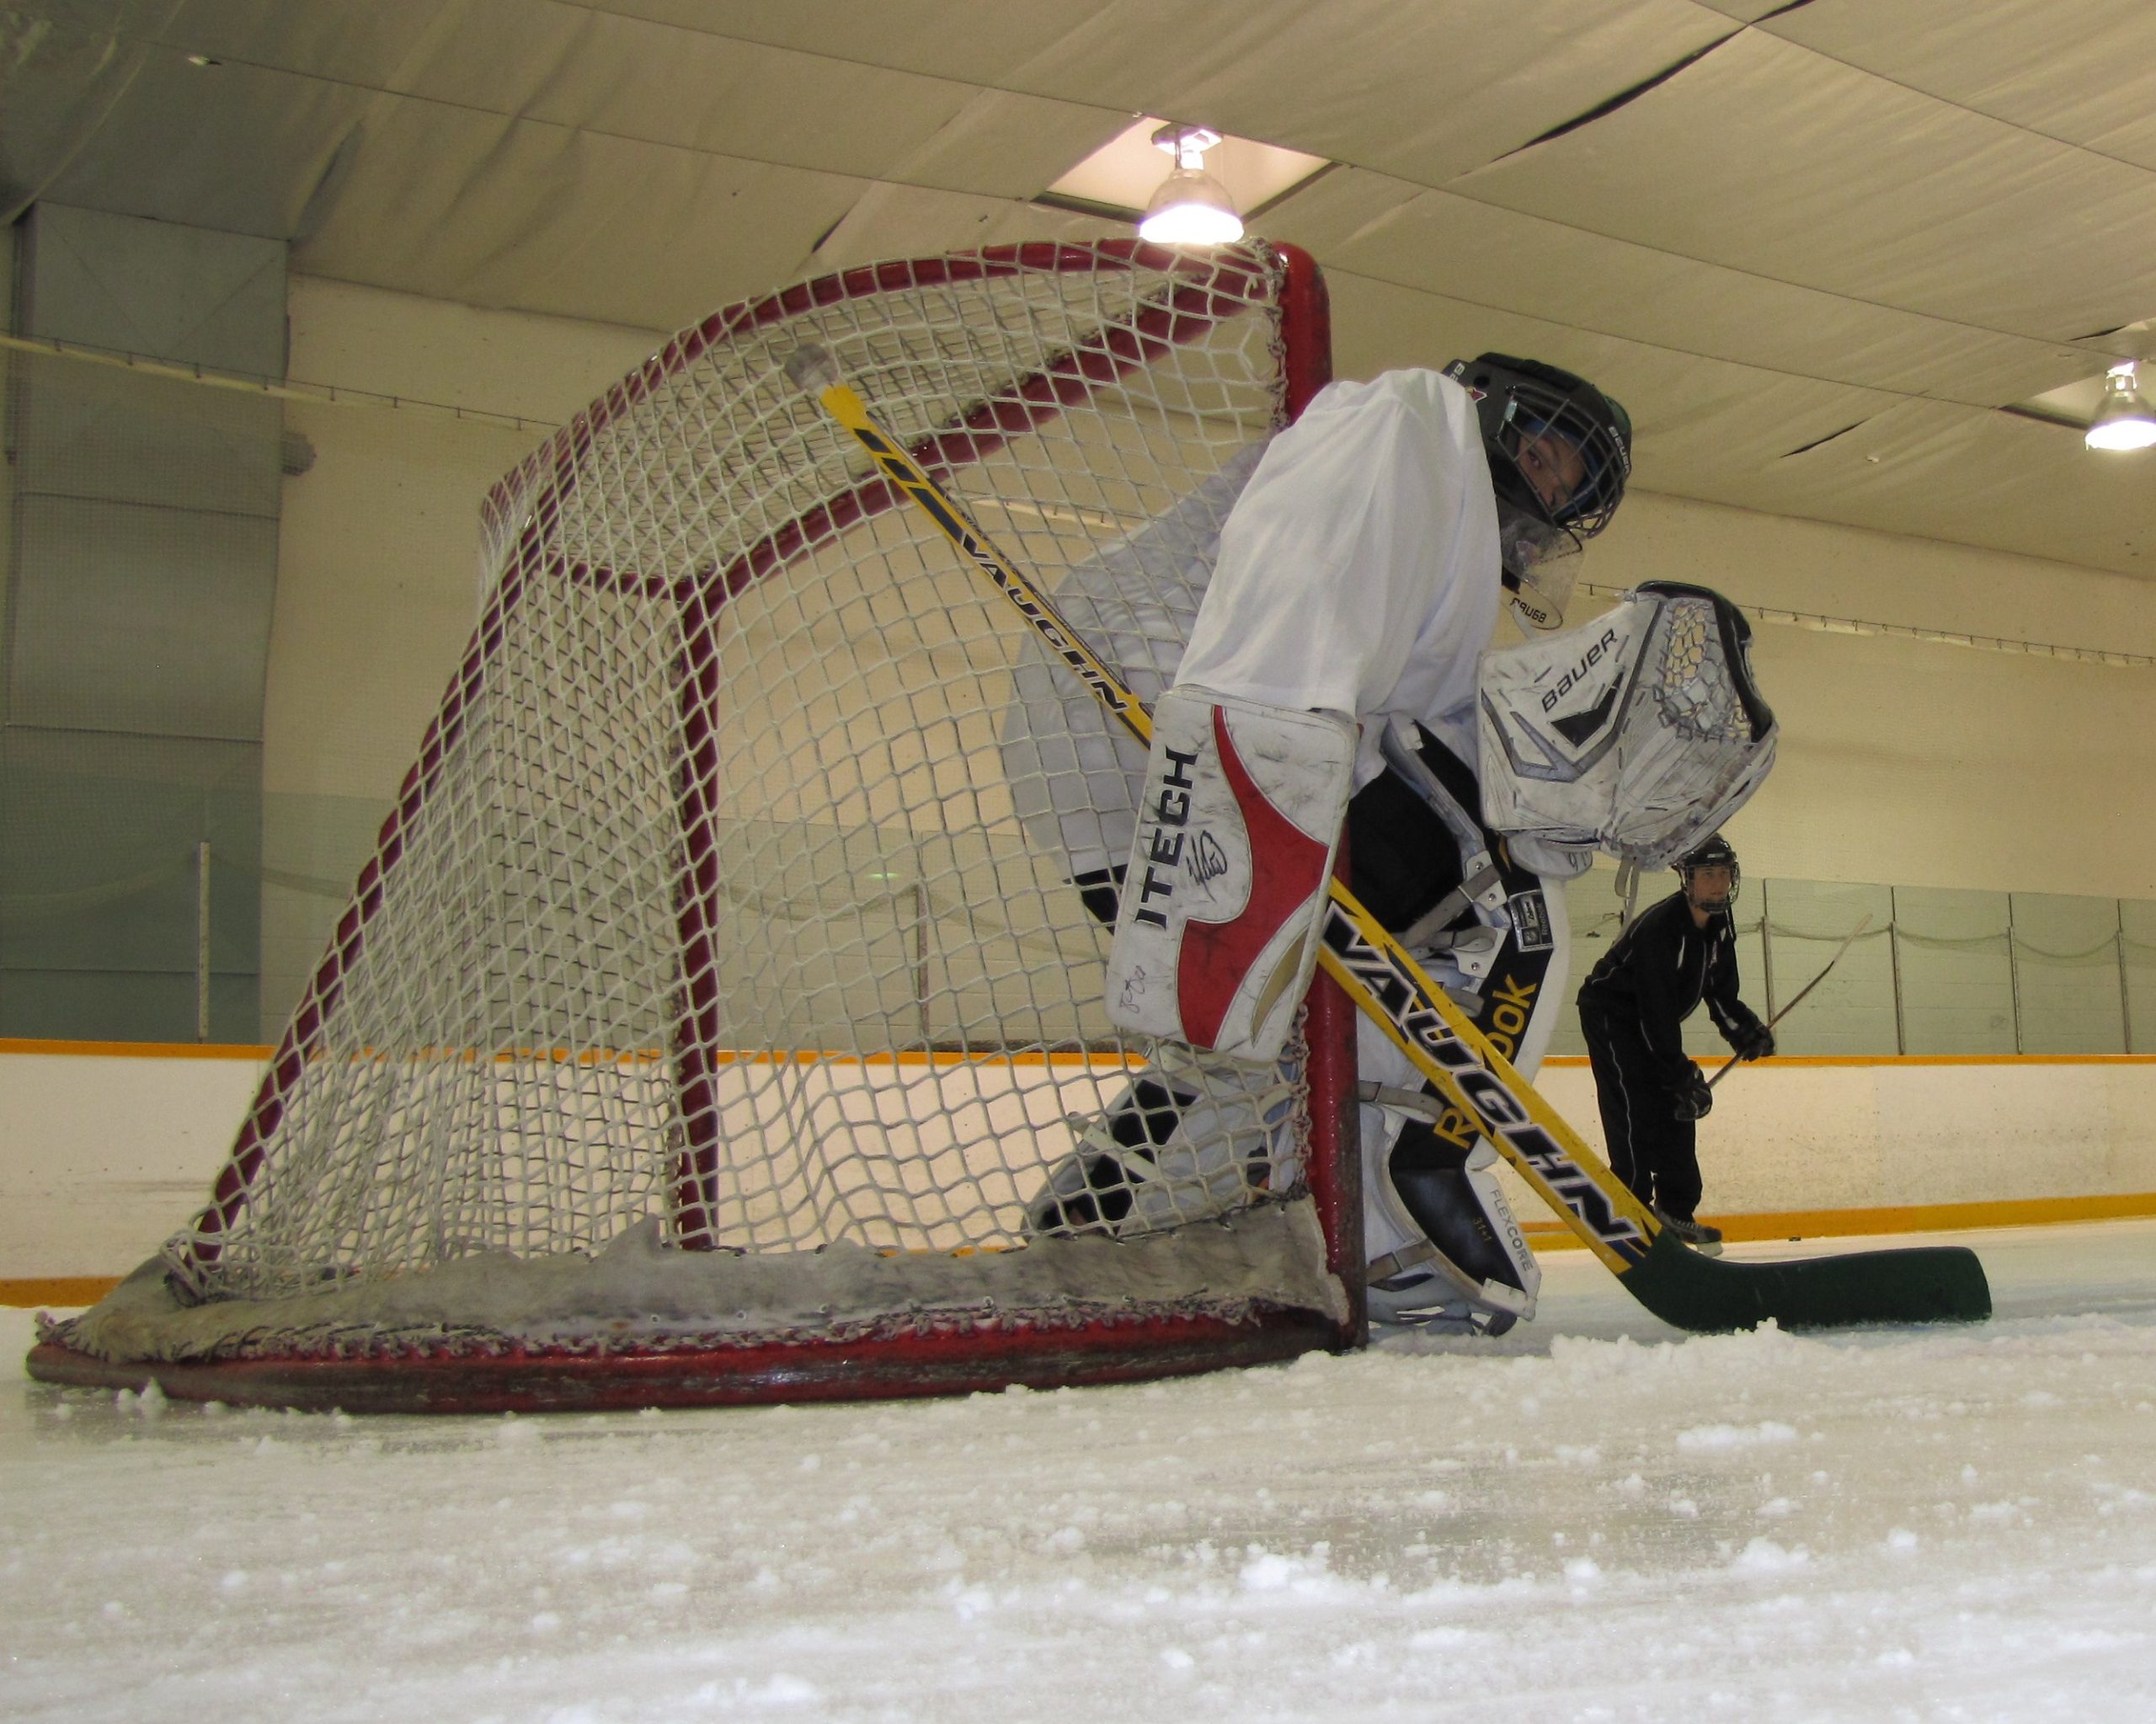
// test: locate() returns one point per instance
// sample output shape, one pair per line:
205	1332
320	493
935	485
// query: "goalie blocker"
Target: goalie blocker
1238	821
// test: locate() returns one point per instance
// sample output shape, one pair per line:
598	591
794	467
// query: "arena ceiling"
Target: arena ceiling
1825	251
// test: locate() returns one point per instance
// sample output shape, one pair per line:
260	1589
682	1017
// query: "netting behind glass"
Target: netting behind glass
733	885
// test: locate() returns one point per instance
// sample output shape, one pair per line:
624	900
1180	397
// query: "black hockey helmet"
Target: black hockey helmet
1521	401
1714	852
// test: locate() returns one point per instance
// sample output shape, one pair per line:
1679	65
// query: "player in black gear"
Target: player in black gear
1632	1007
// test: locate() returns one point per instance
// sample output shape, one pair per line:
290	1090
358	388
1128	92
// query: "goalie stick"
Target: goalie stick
1386	984
1735	1059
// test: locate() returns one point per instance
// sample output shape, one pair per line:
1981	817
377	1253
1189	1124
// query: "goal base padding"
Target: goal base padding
643	1323
874	1369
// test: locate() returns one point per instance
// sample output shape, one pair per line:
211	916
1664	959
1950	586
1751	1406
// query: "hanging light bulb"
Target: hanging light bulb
1191	207
2123	419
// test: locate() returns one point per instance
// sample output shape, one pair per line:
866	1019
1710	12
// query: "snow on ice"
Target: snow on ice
1593	1519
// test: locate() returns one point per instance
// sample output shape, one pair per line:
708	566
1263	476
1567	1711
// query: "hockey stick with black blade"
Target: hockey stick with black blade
1734	1061
1386	984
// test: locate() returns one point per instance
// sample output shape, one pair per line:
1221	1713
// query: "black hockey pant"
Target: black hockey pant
1654	1152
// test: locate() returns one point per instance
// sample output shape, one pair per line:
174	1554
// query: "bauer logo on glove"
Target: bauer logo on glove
1240	813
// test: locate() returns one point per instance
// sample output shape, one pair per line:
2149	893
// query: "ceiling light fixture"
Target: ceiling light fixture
1191	207
2123	419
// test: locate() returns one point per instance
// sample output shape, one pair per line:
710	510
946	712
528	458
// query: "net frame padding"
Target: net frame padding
728	747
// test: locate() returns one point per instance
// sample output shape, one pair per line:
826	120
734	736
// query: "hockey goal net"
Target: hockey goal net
718	993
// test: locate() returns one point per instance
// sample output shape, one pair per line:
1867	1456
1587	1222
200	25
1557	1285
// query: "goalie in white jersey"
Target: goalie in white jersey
1336	591
1337	586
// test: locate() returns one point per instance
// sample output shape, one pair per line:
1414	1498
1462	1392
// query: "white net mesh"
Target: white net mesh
710	903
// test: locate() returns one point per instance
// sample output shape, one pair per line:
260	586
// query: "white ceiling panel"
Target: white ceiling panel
1500	258
907	221
1765	157
2075	70
1810	243
632	79
369	44
466	206
964	40
232	147
1783	445
1727	420
1753	11
625	77
1421	92
1941	471
1004	145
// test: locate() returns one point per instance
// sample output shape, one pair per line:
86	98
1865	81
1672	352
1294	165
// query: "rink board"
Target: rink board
104	1149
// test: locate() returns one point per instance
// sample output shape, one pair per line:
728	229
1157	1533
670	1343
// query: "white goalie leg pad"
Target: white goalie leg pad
1411	1281
1232	1140
1237	825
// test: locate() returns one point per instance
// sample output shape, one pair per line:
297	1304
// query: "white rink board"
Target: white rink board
104	1155
1893	1134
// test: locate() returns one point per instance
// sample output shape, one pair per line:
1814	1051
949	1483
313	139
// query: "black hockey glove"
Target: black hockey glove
1695	1100
1757	1042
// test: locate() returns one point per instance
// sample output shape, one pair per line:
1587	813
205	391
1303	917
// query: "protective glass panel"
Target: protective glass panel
2066	963
105	931
1956	971
2138	928
1852	1011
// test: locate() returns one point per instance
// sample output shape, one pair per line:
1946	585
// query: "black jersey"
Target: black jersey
1659	971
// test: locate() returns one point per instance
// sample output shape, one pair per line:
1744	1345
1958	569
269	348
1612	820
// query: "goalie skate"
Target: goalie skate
1461	1264
1440	1300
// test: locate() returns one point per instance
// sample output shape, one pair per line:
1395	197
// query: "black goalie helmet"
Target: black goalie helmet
1521	403
1716	852
1560	453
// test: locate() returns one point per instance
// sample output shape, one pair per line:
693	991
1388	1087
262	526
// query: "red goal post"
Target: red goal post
712	999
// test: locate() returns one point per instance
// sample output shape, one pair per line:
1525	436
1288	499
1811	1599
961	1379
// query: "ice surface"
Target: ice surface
1590	1519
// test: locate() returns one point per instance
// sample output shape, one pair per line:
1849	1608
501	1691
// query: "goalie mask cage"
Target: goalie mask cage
714	1003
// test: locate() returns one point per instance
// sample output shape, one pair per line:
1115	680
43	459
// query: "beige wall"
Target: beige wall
1900	761
378	551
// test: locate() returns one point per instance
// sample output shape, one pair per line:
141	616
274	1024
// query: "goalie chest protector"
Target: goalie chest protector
1237	826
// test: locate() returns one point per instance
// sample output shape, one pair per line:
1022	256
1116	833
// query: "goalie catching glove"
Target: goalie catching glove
1635	734
1241	810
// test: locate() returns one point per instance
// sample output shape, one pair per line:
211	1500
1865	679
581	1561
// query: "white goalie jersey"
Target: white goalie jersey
1350	565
